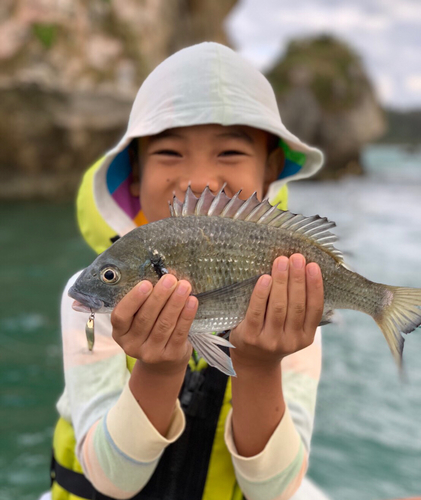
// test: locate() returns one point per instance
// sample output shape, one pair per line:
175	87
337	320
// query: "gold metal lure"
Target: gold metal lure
90	331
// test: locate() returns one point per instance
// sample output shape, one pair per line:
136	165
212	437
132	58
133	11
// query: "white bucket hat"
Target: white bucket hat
206	83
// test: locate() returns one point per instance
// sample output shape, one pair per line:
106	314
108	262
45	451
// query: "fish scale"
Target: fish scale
222	255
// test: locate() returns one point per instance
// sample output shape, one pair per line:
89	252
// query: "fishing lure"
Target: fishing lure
90	331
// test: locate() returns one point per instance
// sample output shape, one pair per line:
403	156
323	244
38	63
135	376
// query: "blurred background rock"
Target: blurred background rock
69	71
326	98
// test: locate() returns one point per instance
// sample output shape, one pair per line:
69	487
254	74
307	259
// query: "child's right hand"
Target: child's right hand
151	324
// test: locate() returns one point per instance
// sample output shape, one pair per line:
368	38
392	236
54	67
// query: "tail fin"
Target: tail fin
206	346
402	314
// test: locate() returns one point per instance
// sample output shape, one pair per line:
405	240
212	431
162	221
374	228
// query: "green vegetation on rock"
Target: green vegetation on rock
46	33
325	97
327	66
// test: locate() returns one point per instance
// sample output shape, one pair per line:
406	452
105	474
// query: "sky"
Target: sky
385	33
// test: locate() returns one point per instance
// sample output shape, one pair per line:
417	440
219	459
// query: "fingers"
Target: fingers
283	316
292	302
278	300
122	316
179	335
255	316
144	320
305	296
152	323
315	297
168	317
296	294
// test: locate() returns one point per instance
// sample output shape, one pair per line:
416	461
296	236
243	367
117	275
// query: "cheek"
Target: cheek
249	178
149	184
154	196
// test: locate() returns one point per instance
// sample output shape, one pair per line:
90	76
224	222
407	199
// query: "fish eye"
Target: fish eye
110	275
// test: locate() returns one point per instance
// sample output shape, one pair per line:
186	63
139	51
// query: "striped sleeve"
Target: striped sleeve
121	451
116	444
278	470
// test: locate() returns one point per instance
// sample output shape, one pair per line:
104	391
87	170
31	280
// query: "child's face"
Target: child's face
202	155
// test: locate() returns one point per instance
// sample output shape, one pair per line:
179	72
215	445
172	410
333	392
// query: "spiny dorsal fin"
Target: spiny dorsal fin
314	227
219	202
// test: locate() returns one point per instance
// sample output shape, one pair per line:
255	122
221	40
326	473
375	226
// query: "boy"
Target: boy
203	117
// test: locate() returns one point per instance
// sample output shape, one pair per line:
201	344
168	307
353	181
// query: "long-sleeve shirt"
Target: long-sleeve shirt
119	448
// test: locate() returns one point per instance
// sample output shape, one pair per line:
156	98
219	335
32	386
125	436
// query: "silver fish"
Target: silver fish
221	245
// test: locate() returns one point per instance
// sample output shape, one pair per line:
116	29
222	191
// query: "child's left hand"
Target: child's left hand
284	312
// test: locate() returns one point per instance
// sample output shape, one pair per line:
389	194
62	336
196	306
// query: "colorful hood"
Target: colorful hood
203	84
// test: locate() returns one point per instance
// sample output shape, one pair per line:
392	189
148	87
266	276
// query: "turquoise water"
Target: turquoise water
39	249
367	440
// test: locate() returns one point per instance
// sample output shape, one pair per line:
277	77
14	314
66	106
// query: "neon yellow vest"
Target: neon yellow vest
220	481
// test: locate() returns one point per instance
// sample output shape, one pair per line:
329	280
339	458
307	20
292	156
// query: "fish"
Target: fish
222	245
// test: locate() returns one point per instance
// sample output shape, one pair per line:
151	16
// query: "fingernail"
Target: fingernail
265	281
191	303
297	261
168	281
313	269
145	287
182	289
282	264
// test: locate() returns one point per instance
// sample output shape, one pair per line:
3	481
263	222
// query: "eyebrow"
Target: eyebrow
233	134
237	134
165	135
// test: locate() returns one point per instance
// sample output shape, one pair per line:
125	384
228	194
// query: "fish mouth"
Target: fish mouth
83	302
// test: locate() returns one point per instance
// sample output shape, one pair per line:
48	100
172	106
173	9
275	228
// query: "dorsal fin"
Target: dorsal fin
219	202
190	203
315	228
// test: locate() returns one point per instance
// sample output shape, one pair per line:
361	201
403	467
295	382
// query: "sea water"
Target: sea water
367	439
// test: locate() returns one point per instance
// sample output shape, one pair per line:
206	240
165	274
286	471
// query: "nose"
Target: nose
199	178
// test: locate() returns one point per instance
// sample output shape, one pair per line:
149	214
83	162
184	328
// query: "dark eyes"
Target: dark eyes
110	275
168	152
171	152
231	152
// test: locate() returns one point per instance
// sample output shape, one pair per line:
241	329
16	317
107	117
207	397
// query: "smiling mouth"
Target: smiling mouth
83	302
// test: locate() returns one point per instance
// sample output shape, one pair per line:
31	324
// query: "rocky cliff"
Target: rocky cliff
325	97
69	71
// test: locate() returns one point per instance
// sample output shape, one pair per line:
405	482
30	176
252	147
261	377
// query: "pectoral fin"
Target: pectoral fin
210	302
